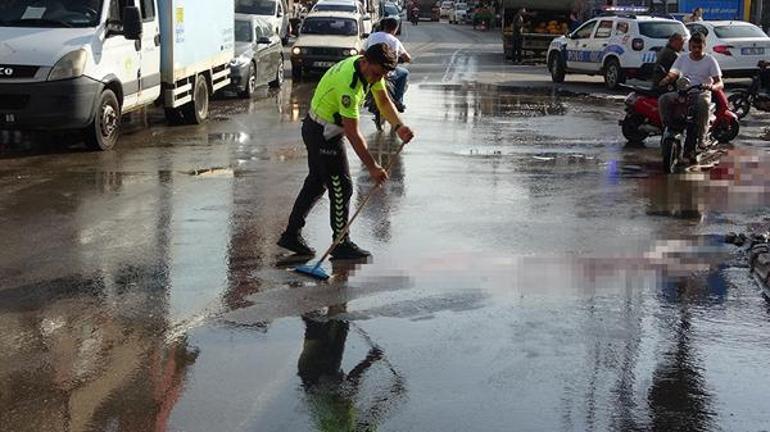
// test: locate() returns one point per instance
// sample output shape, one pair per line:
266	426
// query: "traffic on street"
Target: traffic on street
402	216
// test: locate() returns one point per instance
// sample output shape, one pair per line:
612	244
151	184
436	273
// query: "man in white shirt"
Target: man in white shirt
399	77
700	68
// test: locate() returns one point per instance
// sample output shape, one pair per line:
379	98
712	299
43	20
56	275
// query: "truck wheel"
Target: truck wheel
278	82
251	83
103	133
197	111
556	66
613	74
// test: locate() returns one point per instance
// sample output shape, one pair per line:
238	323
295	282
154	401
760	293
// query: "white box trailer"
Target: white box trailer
81	65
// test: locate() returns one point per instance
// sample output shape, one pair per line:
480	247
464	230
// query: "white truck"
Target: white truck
82	64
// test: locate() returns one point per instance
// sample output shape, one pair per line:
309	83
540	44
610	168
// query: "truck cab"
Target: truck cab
80	65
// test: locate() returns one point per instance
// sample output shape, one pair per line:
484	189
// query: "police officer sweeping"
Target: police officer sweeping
334	114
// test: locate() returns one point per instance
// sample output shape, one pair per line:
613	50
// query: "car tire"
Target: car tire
197	111
103	132
556	67
251	82
278	81
613	74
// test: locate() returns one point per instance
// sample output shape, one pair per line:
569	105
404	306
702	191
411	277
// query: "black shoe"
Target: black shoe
296	244
400	107
348	250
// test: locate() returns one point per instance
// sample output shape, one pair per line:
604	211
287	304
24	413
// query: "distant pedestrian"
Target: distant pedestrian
517	30
574	21
696	16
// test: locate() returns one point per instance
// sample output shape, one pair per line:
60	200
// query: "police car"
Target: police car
618	47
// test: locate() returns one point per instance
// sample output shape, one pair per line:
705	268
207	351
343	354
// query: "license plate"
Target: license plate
7	119
323	64
753	51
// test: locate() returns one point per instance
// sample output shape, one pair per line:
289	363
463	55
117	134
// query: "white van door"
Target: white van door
149	74
120	56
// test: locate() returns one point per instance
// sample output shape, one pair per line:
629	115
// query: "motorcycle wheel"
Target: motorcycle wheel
739	104
630	128
668	149
726	133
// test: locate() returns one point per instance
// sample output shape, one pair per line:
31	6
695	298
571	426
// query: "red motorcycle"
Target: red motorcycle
643	117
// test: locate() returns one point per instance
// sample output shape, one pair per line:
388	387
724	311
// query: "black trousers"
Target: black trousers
328	170
516	49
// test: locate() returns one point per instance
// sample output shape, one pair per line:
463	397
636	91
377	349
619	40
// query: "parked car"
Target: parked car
274	11
446	8
459	14
617	47
349	6
258	56
324	39
390	10
77	68
738	46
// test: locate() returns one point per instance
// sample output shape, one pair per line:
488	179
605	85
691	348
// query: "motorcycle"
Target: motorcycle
643	119
371	105
742	101
415	16
683	134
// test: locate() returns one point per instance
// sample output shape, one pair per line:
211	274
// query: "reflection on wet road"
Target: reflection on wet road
529	269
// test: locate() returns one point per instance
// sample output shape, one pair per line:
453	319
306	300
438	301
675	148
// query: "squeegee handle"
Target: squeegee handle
347	226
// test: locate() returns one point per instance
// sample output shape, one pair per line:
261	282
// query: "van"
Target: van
80	65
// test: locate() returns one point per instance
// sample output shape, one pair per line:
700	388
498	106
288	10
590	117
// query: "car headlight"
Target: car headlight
241	60
71	65
296	50
350	52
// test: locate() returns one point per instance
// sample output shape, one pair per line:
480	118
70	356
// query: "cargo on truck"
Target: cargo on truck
544	21
81	65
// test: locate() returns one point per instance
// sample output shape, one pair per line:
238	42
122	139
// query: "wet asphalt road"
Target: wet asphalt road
531	272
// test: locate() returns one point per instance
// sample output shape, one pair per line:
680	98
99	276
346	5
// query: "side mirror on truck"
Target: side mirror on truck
132	23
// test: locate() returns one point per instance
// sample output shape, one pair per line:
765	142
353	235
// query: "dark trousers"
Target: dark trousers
516	53
328	170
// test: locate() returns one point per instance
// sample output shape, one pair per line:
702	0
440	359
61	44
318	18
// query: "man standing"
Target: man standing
399	77
518	29
700	68
666	58
334	114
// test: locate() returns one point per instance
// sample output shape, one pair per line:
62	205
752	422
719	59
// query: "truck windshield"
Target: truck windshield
244	32
330	26
256	7
661	29
50	13
739	32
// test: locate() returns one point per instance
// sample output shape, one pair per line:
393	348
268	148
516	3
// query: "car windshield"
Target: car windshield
661	29
331	7
244	31
330	26
256	7
739	32
50	13
447	5
461	6
390	10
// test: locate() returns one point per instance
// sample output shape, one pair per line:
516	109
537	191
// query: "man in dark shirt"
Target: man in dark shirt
666	57
518	28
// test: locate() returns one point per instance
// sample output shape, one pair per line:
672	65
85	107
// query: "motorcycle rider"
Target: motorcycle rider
400	76
666	58
700	68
